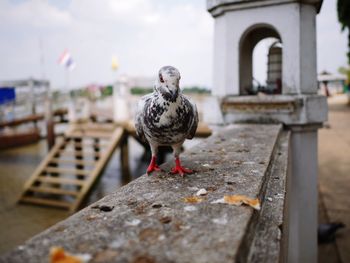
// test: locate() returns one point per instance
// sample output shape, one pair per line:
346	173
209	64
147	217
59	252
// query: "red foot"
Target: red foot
178	169
153	166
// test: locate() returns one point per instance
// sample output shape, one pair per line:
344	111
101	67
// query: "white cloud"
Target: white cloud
34	13
143	34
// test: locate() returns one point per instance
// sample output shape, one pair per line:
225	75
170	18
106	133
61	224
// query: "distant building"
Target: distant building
334	82
136	81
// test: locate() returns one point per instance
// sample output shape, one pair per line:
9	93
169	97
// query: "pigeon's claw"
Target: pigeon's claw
153	166
179	169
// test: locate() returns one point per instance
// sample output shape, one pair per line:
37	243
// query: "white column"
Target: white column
220	57
121	111
308	74
303	197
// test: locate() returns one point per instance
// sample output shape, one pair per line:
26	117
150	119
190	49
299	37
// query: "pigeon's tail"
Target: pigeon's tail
326	232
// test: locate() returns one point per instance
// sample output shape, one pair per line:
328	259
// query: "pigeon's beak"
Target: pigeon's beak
174	94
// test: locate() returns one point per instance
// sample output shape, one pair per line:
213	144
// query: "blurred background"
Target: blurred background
69	61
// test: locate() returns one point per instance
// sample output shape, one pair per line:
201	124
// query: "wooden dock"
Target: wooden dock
72	166
75	163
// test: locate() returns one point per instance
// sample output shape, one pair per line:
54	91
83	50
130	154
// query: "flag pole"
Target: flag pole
42	58
67	78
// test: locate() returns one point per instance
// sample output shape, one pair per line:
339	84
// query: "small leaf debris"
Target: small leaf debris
165	220
157	205
91	217
103	208
133	222
59	255
202	192
190	208
192	199
238	200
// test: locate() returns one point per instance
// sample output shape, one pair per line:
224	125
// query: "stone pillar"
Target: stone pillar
50	126
239	26
303	196
120	101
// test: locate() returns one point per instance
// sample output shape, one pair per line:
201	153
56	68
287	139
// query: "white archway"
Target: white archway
238	22
250	38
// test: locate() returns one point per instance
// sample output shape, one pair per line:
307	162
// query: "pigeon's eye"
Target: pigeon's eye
161	78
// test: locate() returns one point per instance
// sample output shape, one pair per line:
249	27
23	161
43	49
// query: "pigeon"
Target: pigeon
326	232
166	118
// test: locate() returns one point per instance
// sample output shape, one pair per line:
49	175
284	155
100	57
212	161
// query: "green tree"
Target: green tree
343	8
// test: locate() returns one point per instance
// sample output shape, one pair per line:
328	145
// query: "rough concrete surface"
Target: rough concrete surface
149	220
272	224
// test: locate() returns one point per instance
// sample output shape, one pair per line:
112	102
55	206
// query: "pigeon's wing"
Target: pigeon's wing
194	123
140	112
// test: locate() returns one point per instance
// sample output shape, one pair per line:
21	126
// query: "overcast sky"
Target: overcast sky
143	34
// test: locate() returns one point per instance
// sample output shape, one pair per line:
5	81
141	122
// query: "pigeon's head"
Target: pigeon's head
167	83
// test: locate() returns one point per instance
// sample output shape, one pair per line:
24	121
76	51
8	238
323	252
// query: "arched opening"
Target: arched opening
271	40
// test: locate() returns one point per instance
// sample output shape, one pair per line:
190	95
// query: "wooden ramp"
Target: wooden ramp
72	166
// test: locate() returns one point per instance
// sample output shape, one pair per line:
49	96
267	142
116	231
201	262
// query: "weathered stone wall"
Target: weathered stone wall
149	220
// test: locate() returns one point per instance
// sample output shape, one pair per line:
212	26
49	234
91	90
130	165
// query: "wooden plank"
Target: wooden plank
83	145
203	130
97	148
71	161
116	139
104	127
70	152
60	170
42	201
30	118
124	161
50	190
19	121
79	156
89	134
56	180
42	165
19	138
60	150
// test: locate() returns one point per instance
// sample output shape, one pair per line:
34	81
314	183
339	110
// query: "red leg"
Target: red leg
178	169
153	165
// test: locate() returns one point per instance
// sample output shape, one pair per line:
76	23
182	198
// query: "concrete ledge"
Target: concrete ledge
150	222
286	109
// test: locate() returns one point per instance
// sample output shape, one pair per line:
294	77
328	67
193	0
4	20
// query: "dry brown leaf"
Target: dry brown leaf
192	199
58	255
242	199
233	199
255	203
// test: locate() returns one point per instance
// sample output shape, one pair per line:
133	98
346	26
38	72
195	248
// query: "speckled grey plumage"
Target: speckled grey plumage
166	117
